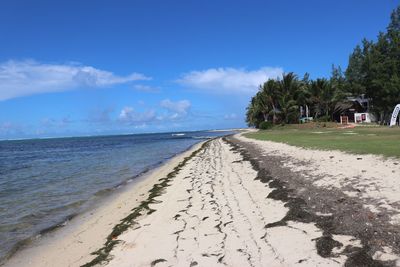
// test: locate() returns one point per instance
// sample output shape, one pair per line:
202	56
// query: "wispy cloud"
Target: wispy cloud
229	80
146	88
173	111
180	107
100	115
51	122
9	128
231	116
129	116
176	110
28	77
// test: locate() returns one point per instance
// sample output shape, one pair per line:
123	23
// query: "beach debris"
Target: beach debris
326	244
154	263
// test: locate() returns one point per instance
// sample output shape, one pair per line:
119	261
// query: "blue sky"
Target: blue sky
107	67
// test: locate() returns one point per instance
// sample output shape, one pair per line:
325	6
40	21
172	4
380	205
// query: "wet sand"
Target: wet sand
73	244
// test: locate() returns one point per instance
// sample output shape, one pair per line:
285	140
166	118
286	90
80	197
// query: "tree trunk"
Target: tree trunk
265	115
273	112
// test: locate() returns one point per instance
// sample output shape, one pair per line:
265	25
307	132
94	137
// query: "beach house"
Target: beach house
356	109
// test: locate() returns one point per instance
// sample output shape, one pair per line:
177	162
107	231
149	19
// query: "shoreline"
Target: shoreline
53	214
222	210
89	205
234	201
42	249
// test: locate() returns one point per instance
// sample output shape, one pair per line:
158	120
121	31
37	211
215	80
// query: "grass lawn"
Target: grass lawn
361	140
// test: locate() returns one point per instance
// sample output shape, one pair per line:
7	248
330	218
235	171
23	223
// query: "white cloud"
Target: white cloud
229	80
180	107
175	110
22	78
130	116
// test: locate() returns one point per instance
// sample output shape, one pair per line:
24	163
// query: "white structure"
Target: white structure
363	117
344	120
394	115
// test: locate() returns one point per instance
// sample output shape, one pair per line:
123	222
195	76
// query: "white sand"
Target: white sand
72	245
374	179
214	214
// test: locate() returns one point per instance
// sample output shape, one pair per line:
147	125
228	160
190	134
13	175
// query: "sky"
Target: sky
75	68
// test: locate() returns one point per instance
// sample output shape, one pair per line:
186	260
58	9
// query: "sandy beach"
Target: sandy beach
72	245
200	133
214	214
240	202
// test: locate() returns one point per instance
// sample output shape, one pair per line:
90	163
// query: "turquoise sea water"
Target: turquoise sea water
44	182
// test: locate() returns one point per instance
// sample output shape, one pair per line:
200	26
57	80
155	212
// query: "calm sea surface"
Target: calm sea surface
45	181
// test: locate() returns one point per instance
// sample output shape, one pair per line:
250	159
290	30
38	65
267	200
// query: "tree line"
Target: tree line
373	70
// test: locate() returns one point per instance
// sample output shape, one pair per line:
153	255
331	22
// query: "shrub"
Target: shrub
324	118
265	125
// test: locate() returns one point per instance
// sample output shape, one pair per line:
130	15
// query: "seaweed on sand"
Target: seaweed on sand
103	254
298	211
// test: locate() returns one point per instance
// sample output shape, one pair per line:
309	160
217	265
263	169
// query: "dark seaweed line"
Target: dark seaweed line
103	254
298	212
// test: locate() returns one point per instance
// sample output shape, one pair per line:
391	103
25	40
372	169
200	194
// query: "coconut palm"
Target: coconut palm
253	113
316	97
288	88
270	92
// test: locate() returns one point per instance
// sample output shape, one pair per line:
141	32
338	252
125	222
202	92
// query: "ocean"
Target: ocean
44	182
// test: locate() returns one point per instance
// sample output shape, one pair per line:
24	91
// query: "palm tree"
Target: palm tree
303	95
327	93
261	101
270	92
288	89
288	108
252	113
316	98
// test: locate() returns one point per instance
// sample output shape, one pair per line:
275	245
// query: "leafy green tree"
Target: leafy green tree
354	72
338	85
373	69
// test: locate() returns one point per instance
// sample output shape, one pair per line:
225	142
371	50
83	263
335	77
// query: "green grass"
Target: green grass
360	140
